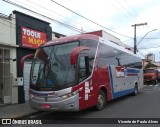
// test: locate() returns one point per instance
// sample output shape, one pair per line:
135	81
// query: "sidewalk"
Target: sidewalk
16	110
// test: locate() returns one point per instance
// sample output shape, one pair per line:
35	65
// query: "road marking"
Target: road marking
151	88
151	85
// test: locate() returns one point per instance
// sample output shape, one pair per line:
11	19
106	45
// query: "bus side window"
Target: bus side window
83	67
107	56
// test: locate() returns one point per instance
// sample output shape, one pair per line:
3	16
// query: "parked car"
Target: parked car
151	75
158	74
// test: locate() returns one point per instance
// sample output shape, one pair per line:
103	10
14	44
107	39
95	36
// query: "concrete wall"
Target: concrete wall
8	41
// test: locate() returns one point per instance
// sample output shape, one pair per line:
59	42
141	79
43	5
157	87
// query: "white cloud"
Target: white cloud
117	15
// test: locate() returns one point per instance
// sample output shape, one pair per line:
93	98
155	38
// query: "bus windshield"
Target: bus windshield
51	68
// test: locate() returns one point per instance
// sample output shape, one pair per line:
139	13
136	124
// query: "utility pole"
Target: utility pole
135	38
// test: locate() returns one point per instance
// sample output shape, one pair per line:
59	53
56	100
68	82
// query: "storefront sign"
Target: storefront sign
32	38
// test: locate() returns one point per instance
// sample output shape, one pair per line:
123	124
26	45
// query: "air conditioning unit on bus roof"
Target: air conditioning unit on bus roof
108	36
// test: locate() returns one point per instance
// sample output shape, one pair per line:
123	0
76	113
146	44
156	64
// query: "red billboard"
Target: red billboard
32	38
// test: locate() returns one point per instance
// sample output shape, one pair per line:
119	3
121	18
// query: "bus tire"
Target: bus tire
135	90
102	101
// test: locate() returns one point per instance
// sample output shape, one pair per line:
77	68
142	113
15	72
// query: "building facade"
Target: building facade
150	57
30	33
20	35
8	64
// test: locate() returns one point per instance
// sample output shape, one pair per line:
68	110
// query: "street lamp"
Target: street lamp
145	35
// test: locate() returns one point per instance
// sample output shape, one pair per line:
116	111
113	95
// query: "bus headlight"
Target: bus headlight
71	94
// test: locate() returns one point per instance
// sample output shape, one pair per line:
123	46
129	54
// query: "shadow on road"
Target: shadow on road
80	114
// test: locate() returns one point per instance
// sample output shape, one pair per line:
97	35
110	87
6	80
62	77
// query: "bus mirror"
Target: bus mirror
75	52
29	56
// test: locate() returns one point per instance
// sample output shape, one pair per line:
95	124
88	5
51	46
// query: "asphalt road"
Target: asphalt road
144	106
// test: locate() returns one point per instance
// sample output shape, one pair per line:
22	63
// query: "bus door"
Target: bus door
91	83
83	74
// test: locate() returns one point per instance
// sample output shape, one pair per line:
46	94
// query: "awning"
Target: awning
149	65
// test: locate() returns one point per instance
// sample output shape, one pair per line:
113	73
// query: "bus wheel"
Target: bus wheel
135	90
101	103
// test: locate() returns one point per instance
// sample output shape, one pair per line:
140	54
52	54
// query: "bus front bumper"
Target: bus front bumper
55	104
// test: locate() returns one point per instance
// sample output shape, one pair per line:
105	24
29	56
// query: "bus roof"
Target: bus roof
86	36
111	44
71	38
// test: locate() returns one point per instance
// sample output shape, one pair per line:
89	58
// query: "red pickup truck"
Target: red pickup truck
151	75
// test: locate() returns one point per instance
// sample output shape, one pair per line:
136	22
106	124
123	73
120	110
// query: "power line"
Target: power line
145	35
58	14
66	25
88	19
134	11
151	38
22	7
128	40
22	21
120	10
141	54
123	7
149	47
4	23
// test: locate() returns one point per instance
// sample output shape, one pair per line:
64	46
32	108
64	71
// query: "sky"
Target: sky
113	16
